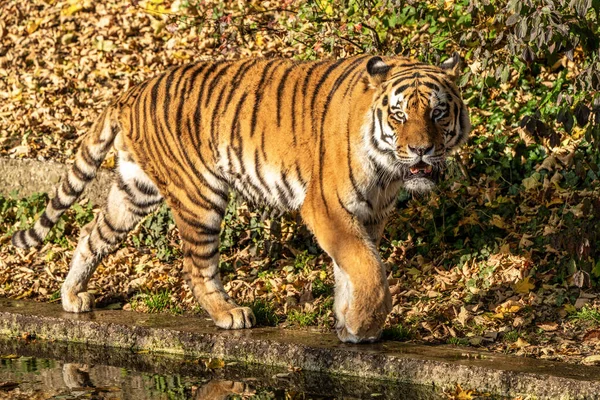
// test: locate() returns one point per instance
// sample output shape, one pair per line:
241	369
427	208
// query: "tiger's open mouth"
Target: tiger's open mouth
421	177
420	169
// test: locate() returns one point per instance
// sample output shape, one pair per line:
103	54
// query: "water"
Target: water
50	370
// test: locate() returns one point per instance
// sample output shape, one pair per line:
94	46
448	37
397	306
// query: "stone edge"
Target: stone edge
351	360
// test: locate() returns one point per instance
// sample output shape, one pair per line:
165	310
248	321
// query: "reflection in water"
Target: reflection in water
76	376
221	390
85	372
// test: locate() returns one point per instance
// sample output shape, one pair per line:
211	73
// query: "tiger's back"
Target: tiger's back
333	139
255	124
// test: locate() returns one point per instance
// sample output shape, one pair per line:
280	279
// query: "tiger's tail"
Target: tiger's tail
90	155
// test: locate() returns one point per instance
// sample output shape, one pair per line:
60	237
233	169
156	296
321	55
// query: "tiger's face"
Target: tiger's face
417	118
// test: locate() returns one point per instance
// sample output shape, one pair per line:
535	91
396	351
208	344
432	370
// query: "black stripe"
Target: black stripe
280	89
215	81
80	174
88	158
205	256
144	188
58	205
45	221
355	188
199	225
235	130
197	242
91	248
34	236
145	204
68	189
400	89
257	171
321	81
293	112
104	238
235	83
258	96
300	178
341	203
112	227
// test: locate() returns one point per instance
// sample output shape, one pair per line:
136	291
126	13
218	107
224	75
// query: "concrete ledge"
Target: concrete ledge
438	366
31	176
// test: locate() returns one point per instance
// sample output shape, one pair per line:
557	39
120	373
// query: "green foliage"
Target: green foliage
264	313
155	302
456	341
302	318
321	289
397	332
512	336
156	231
587	314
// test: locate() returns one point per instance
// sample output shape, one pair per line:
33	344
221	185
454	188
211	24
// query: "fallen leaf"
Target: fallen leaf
520	343
592	336
548	326
523	286
591	360
214	363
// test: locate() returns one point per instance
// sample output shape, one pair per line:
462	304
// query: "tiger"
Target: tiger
333	140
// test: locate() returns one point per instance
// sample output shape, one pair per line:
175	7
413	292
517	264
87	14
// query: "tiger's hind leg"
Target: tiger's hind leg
131	198
198	215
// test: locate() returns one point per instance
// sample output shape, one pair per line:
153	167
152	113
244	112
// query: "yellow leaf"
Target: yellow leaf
570	309
532	182
214	363
523	286
498	221
520	343
32	26
109	162
72	9
462	394
525	242
259	39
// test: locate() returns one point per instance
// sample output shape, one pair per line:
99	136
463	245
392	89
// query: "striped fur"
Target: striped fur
333	139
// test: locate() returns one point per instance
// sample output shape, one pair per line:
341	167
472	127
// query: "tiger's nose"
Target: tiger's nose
421	150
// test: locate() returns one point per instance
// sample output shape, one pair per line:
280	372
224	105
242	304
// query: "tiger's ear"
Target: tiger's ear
452	66
378	71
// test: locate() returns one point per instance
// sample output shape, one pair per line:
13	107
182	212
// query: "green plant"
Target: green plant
456	341
302	318
397	332
157	231
512	336
264	312
155	302
587	314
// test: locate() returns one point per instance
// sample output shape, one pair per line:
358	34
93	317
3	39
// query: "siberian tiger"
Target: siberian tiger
333	139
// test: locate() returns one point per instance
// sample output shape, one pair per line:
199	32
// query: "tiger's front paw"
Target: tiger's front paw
235	318
361	318
77	302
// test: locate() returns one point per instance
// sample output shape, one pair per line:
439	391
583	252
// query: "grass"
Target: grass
587	314
398	333
264	313
155	302
302	318
512	336
456	341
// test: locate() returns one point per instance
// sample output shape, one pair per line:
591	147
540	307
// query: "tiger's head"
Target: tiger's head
417	118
